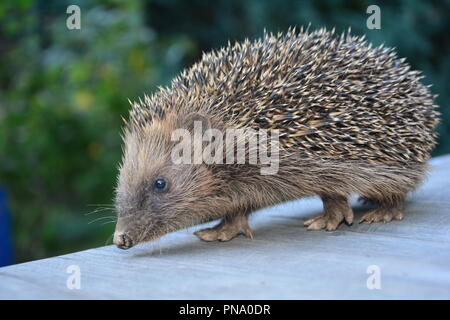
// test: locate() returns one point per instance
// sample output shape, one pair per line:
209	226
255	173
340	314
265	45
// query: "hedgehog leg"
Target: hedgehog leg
336	210
390	208
227	229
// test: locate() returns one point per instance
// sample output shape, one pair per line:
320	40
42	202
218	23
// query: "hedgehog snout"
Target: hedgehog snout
122	240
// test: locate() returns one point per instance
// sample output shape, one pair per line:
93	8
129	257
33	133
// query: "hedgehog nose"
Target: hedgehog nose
122	241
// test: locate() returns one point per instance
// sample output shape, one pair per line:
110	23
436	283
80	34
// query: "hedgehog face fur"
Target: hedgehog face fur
155	196
353	119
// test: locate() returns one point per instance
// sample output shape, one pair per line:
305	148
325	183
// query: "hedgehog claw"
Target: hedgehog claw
382	215
324	221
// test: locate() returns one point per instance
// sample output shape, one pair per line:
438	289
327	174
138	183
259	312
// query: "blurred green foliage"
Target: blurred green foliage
63	92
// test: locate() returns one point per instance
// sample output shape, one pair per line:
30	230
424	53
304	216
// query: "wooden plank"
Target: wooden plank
284	261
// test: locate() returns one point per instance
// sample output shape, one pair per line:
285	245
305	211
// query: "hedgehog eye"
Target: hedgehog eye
159	185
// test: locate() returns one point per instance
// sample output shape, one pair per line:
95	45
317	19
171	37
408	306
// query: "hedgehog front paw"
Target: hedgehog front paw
226	230
209	234
382	215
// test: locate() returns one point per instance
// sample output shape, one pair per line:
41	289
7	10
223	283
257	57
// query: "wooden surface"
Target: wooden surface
284	261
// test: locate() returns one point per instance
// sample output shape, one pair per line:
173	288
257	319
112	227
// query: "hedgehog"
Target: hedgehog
352	119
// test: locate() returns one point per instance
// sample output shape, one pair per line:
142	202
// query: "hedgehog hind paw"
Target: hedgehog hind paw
324	221
336	210
226	230
382	215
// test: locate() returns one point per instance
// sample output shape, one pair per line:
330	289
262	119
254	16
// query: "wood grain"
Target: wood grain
283	261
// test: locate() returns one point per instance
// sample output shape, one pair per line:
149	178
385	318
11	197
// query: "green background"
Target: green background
63	92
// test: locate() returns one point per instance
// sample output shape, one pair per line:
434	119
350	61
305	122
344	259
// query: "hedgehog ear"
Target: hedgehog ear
195	120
